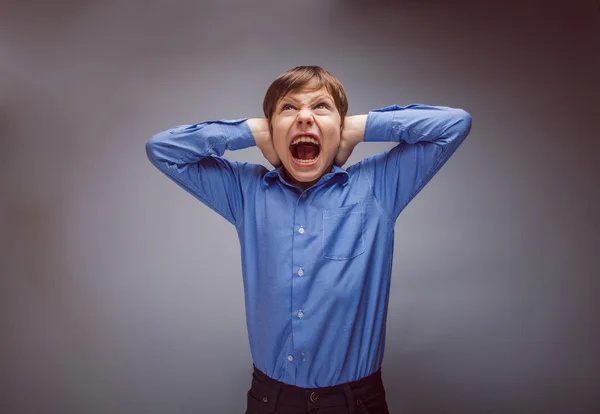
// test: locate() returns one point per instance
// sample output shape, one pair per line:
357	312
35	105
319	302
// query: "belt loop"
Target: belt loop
274	398
349	398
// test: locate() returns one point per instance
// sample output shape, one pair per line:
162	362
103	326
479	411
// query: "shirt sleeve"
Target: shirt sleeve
427	136
190	155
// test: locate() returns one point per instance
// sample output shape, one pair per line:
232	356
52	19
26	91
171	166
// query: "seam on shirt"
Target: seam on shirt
292	340
243	188
345	214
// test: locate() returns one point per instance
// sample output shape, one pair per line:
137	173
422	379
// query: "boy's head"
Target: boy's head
306	107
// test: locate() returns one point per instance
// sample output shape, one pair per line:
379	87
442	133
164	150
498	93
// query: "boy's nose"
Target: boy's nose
305	117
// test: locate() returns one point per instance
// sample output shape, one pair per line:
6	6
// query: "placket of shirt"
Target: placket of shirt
300	272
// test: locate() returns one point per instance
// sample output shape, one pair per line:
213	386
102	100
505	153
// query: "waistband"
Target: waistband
273	392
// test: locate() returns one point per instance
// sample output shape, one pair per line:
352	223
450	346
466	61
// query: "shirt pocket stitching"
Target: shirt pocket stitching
343	212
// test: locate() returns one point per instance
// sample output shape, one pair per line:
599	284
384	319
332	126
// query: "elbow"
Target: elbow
463	121
152	149
155	145
458	125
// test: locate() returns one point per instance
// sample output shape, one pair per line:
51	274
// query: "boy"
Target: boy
316	239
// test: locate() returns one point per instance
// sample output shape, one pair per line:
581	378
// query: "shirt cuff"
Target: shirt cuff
380	123
236	133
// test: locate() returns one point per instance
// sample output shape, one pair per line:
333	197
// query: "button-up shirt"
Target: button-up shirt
316	263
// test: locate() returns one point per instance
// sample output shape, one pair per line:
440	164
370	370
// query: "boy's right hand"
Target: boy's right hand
264	140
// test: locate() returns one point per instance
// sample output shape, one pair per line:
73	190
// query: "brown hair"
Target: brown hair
295	78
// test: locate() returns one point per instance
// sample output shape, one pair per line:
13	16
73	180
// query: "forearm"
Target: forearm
417	123
186	144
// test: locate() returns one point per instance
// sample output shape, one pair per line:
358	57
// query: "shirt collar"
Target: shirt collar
278	173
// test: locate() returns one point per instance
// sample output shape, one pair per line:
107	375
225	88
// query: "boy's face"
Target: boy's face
306	129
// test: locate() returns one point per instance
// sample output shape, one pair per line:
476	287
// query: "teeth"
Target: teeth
305	139
304	161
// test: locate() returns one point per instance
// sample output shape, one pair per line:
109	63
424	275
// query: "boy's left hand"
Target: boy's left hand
353	132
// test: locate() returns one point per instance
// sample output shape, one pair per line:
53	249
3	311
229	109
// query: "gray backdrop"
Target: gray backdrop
121	293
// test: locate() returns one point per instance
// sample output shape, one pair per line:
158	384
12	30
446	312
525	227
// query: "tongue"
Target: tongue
307	152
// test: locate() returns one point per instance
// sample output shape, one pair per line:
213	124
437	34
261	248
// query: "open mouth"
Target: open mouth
305	149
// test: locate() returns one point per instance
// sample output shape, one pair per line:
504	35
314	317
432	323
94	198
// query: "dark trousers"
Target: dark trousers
268	396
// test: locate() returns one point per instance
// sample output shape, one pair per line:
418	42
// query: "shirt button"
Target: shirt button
300	314
301	230
304	195
290	358
300	272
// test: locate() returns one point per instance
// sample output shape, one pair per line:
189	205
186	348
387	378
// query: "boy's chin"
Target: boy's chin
310	175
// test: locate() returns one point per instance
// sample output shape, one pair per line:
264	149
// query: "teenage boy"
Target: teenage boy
316	239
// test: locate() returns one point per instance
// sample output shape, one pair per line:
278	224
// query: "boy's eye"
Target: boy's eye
323	105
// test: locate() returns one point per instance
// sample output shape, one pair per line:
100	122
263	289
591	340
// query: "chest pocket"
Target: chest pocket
343	229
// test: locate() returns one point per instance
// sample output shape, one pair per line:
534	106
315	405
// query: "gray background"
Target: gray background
121	293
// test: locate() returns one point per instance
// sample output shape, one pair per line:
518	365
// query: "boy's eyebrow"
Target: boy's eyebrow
316	98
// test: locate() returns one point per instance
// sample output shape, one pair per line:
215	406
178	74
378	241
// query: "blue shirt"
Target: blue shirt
316	263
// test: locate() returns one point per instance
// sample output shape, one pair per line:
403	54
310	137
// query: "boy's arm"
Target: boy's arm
427	136
191	156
